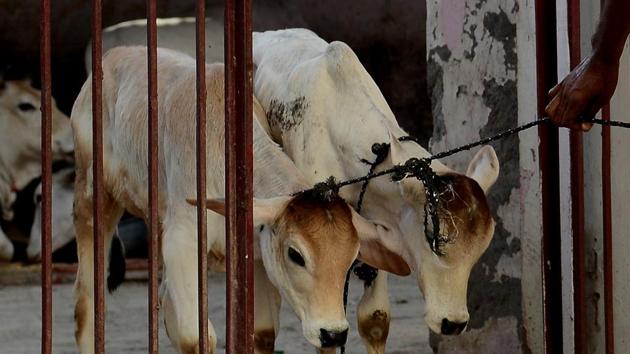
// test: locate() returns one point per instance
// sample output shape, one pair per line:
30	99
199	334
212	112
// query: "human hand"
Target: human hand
584	91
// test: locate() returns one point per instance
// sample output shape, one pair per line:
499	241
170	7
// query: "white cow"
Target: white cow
305	244
20	134
62	225
326	112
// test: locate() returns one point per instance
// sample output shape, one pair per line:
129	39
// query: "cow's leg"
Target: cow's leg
84	285
266	311
373	314
179	301
6	247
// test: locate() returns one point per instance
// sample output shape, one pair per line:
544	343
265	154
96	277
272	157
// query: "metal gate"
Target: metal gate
563	203
238	146
563	189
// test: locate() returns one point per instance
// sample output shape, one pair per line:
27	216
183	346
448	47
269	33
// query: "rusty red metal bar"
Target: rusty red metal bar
238	163
202	255
46	253
97	158
577	197
546	54
608	250
154	228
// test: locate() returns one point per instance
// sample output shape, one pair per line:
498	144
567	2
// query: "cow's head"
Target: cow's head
466	229
307	246
20	131
62	221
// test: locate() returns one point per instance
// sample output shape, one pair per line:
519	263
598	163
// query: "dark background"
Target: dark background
387	35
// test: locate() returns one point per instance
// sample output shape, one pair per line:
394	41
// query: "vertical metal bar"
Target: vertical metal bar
153	174
608	252
577	196
202	248
609	321
239	192
545	12
46	253
97	158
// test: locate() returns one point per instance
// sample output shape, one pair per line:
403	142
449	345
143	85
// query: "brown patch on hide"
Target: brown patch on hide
326	226
264	341
375	328
464	208
190	348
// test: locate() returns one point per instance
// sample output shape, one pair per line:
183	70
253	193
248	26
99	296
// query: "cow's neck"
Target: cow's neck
338	152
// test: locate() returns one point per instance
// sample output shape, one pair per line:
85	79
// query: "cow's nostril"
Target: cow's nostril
331	339
452	328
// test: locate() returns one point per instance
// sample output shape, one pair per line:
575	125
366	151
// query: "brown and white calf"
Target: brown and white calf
20	154
304	245
326	112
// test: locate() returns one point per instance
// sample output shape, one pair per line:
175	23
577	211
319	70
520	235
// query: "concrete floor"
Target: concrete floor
126	332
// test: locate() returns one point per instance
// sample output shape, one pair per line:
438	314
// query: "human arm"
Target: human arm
592	83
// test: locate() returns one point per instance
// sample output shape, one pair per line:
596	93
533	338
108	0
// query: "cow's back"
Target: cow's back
125	126
125	133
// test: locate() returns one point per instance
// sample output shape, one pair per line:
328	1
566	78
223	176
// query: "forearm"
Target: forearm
613	30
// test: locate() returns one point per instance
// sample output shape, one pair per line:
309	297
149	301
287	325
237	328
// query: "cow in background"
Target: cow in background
20	154
62	223
177	33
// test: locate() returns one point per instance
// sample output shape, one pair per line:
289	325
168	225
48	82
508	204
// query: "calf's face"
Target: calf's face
20	111
466	229
307	246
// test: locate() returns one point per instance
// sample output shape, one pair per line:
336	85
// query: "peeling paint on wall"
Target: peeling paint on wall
472	63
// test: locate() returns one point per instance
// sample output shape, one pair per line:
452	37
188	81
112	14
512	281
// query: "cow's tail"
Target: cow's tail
117	265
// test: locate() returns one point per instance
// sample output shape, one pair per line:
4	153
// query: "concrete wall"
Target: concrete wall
481	70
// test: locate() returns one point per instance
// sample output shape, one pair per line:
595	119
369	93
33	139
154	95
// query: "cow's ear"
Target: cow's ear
377	248
266	210
484	168
215	204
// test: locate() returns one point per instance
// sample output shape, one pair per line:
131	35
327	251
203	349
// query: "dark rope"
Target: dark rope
611	123
400	168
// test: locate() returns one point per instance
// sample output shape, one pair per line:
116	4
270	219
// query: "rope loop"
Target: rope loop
326	191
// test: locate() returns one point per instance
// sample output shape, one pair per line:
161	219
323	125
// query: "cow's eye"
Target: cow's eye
296	257
26	107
